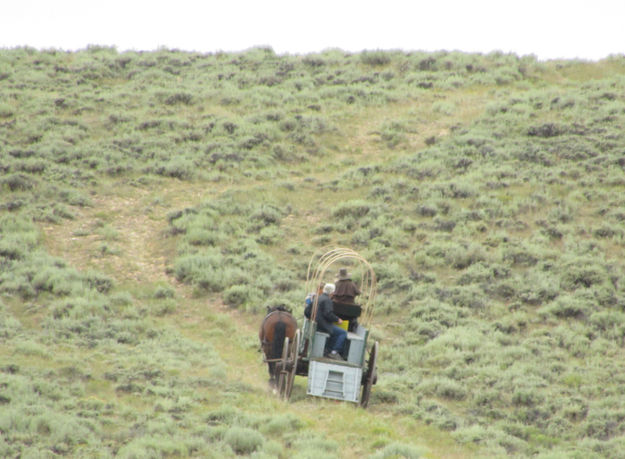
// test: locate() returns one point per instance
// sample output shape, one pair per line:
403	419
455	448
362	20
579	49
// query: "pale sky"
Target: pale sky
548	29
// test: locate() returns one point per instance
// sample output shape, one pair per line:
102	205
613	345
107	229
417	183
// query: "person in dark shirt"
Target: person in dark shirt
346	290
326	323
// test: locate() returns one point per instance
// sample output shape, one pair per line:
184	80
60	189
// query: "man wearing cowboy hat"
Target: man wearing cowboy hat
346	290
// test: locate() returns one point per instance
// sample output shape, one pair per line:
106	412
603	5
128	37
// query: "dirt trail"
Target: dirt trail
117	246
124	234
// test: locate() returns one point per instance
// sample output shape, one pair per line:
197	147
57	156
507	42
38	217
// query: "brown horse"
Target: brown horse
277	325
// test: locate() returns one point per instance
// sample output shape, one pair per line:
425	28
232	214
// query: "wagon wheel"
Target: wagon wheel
281	367
371	376
292	366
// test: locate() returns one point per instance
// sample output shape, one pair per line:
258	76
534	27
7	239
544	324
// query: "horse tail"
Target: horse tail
279	332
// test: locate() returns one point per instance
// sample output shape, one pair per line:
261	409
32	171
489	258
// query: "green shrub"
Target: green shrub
479	273
178	98
31	348
202	237
524	255
189	268
108	232
310	444
98	281
461	257
536	288
398	450
280	425
6	111
582	272
17	182
610	324
59	281
162	292
165	306
375	58
243	440
223	415
16	246
269	236
179	168
393	133
354	209
526	397
153	445
569	306
236	295
444	387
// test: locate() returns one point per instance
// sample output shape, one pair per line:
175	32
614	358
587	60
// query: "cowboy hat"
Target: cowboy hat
343	274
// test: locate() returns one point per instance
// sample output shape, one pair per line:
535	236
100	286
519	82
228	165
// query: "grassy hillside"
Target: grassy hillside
153	204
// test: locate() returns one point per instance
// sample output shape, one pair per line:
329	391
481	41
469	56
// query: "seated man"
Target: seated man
344	299
325	323
346	289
